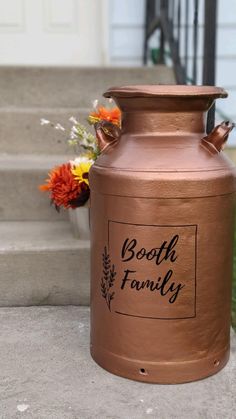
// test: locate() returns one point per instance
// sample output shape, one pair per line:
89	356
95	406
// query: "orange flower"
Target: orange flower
103	114
65	190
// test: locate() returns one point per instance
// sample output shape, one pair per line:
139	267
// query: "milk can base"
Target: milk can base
161	373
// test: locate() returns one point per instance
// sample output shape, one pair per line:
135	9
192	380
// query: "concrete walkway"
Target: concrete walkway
46	373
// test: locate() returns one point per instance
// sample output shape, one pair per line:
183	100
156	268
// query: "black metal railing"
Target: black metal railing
178	27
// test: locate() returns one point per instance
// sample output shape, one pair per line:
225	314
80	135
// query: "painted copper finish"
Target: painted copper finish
107	134
219	135
162	218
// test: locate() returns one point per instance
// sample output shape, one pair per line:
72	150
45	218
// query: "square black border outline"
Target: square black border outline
195	269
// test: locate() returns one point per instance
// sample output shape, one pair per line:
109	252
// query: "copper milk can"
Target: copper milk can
162	220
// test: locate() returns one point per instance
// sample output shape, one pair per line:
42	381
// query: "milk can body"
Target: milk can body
162	219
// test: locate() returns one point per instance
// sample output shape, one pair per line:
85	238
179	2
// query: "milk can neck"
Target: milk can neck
157	114
163	122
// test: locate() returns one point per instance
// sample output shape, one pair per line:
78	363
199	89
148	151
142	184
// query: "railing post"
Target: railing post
195	40
186	35
167	26
163	9
209	54
145	45
178	26
149	16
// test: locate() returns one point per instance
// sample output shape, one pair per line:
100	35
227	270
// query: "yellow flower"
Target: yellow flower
81	170
88	155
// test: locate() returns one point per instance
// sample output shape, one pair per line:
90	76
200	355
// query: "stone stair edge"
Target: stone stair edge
35	236
32	162
22	126
50	266
61	68
58	86
35	108
29	75
80	245
25	173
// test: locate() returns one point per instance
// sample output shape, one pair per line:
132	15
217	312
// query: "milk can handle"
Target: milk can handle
219	135
107	134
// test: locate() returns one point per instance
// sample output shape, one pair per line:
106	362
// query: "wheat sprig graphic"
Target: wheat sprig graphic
108	278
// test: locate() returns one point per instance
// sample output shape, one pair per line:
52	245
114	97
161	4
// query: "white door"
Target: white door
54	32
126	32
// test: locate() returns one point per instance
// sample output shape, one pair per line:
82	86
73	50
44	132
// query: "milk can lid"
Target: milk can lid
161	90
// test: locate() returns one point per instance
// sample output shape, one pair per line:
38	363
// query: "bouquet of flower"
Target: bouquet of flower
68	184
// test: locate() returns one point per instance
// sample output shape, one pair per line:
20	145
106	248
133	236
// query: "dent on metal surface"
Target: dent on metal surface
162	214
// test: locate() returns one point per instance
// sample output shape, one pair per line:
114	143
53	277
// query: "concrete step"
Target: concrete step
20	198
70	87
21	132
28	94
46	372
231	153
41	263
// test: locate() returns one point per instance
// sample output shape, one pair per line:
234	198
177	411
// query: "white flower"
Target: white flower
74	129
84	141
44	121
95	105
22	407
73	136
81	159
86	136
73	119
59	127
